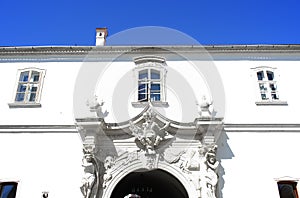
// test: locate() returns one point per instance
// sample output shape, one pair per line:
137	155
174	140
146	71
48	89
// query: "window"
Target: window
287	189
149	85
267	86
29	86
150	72
8	189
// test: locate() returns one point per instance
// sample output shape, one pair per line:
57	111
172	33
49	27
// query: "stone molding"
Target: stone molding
79	53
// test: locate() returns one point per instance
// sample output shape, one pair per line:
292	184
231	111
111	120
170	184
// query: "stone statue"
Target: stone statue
150	134
90	180
211	177
89	177
95	106
108	164
203	108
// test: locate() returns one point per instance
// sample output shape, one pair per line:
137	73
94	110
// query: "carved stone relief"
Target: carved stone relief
153	148
149	135
198	164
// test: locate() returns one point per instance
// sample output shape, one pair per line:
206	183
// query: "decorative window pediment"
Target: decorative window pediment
150	72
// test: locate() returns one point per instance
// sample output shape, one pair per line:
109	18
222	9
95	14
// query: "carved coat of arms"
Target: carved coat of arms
149	135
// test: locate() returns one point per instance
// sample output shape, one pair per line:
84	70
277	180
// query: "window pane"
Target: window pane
143	74
24	76
142	86
274	96
155	74
35	76
273	87
33	88
142	97
32	97
264	97
21	88
20	97
260	75
9	190
270	75
262	87
155	97
155	87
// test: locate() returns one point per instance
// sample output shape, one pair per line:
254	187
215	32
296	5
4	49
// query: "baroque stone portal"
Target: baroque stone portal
147	143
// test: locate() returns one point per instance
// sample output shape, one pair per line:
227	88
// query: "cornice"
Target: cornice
38	129
122	49
170	53
262	127
227	128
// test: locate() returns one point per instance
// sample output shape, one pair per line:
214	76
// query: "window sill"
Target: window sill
271	103
154	103
24	105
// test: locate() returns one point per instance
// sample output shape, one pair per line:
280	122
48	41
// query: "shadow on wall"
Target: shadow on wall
224	152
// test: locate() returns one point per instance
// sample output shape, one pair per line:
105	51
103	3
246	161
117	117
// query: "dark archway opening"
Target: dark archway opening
150	184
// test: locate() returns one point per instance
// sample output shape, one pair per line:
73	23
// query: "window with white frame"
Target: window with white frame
29	86
149	85
267	84
150	72
8	189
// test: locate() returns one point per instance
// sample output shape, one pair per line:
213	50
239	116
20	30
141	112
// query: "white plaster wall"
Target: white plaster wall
251	162
117	85
241	92
42	162
52	161
56	98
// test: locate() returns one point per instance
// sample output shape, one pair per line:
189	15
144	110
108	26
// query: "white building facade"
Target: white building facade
153	121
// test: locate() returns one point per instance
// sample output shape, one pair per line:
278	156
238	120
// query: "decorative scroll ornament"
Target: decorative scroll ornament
149	136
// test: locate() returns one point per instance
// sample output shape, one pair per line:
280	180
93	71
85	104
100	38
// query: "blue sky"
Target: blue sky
73	22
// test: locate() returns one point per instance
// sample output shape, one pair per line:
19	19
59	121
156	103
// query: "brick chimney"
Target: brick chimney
101	34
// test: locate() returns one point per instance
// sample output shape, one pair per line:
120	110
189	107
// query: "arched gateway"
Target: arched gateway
150	156
155	183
